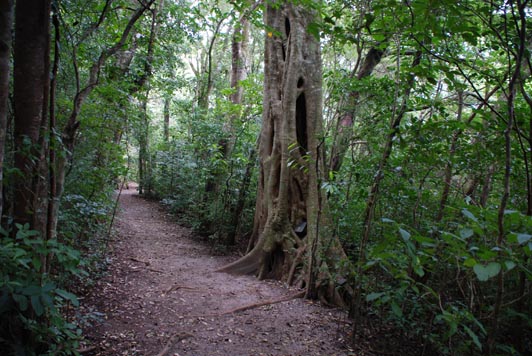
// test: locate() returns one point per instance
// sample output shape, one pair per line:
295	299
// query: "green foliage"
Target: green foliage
33	304
435	266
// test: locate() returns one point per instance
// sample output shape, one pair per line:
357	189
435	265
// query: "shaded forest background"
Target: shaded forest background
421	155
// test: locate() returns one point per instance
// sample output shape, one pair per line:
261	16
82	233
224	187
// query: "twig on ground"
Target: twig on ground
87	349
137	260
177	287
173	340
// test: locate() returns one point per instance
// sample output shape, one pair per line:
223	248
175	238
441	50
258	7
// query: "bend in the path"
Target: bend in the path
162	291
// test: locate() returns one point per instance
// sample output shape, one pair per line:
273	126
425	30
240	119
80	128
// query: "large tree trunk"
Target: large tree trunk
289	205
6	24
31	88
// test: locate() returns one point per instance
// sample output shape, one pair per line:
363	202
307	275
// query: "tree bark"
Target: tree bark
31	88
290	211
51	218
6	26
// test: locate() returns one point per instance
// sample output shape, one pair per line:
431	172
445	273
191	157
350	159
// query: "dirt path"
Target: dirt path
162	297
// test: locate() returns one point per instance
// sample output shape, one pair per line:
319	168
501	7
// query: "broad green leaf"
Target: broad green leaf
68	296
396	310
405	235
510	265
469	215
32	290
37	305
466	233
386	220
373	296
36	262
485	272
470	262
523	238
473	337
21	300
419	270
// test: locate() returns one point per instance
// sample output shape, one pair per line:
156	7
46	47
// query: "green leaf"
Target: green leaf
37	305
314	29
485	272
510	265
405	235
396	310
523	238
36	263
68	296
473	337
386	220
32	290
469	215
419	270
470	262
21	300
373	296
466	233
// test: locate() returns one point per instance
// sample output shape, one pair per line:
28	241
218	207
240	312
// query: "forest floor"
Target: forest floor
162	296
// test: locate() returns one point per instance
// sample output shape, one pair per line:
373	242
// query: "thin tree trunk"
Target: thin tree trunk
344	125
449	165
520	23
51	233
6	26
372	197
205	93
486	185
241	200
144	154
166	115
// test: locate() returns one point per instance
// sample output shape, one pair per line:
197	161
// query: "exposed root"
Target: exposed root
256	305
248	264
173	340
261	304
297	261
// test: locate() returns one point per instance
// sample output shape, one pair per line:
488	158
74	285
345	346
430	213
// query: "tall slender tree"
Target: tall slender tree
6	24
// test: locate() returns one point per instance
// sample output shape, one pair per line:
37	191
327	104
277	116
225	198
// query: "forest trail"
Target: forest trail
162	296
